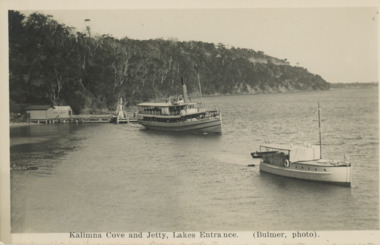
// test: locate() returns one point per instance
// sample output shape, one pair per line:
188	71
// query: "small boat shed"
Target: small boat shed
62	111
40	113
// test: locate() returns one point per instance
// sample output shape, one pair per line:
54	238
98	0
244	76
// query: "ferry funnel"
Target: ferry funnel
184	89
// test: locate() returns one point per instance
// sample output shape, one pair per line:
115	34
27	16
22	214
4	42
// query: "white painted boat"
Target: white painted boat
303	162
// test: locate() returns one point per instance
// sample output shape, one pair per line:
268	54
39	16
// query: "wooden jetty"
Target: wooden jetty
90	118
121	116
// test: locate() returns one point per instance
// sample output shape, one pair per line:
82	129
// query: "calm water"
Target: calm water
107	177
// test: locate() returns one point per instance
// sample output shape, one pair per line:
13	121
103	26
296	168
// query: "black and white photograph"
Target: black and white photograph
199	122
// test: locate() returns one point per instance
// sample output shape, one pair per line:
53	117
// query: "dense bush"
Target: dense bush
52	63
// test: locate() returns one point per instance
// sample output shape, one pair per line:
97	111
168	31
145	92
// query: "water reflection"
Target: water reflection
139	180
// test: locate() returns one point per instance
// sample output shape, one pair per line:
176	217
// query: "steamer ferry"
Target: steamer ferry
178	114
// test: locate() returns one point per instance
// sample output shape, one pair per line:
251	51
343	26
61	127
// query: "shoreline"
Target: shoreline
20	124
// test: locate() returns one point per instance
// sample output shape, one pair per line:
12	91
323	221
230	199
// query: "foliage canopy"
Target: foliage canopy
51	63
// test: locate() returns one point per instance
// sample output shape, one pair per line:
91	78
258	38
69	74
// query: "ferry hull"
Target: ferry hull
340	175
211	125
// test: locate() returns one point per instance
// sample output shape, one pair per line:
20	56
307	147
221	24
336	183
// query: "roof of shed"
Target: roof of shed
62	108
39	107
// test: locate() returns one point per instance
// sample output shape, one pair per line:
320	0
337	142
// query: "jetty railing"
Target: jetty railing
106	118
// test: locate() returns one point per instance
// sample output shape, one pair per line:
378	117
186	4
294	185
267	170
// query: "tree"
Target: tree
51	55
50	63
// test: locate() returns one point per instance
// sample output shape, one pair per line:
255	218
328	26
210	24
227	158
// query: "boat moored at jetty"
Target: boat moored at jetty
178	114
303	162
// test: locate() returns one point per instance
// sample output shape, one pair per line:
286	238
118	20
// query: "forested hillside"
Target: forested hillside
354	85
50	63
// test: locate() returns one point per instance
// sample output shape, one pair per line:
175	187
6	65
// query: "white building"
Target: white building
38	113
62	112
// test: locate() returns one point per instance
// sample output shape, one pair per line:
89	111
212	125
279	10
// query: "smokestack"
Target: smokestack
184	89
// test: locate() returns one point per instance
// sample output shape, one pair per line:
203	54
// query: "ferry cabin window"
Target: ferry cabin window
165	111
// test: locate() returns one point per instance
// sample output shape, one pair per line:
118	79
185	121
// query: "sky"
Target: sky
338	43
